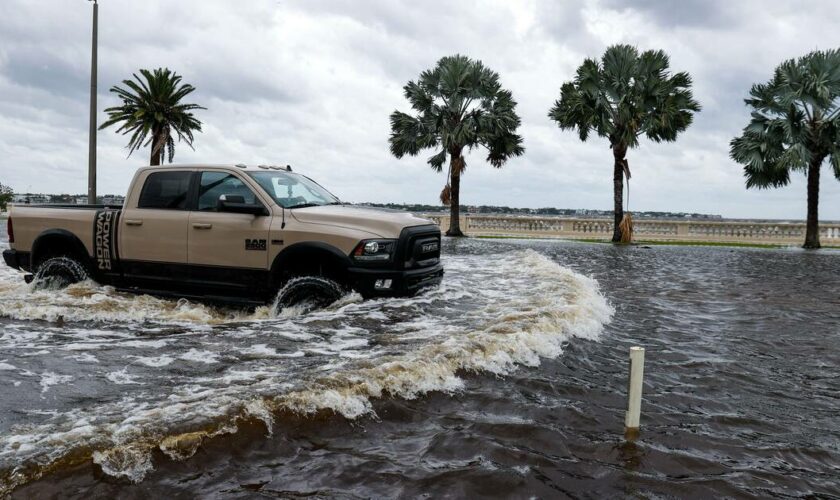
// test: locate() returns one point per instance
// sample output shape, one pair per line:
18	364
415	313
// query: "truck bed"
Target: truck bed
80	221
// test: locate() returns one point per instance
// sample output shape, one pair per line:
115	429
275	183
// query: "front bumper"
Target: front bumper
15	259
403	283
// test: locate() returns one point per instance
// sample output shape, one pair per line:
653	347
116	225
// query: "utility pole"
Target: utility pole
92	139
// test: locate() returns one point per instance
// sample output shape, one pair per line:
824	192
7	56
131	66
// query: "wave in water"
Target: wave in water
492	314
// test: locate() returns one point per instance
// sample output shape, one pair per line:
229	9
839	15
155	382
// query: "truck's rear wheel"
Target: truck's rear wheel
59	272
308	293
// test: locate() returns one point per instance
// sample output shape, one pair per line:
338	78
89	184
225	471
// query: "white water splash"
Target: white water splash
49	379
492	314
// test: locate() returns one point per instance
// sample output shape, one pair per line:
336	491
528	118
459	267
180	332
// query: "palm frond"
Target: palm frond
458	104
794	121
152	110
625	95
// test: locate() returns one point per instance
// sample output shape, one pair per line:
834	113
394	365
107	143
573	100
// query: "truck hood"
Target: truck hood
382	222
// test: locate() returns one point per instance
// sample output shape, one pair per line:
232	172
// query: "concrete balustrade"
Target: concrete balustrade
645	229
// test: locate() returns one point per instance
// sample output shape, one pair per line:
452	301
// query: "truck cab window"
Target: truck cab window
215	184
165	190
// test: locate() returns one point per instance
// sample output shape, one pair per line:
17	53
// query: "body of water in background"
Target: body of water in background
508	380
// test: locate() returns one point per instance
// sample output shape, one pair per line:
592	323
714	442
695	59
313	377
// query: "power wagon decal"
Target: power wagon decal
105	239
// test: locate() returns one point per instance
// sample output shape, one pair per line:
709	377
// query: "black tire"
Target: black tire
59	272
309	293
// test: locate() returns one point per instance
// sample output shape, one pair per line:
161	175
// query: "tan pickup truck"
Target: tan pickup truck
227	233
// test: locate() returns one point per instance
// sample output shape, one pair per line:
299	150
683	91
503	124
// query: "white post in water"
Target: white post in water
634	393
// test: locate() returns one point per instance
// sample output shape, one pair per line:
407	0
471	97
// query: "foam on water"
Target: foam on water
90	302
173	373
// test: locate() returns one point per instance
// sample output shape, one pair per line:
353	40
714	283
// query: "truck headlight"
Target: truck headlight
374	250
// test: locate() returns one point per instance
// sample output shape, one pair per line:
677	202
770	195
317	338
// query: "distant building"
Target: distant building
30	198
112	199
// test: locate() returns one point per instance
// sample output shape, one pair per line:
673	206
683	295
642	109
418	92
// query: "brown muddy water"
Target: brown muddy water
507	381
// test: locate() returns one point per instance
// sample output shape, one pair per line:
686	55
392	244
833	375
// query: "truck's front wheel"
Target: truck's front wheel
308	293
59	272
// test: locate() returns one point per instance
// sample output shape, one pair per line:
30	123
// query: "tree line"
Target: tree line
460	105
6	194
549	211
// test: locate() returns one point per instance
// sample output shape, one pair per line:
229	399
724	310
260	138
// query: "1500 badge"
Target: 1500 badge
255	244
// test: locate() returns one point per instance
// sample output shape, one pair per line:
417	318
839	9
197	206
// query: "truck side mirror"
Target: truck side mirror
230	198
235	203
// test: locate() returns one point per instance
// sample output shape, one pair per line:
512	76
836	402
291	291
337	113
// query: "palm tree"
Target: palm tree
459	105
795	125
622	97
152	110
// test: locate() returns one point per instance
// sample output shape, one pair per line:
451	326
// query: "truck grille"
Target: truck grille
421	247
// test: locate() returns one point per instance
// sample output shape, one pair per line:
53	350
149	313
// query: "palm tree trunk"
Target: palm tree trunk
812	227
619	150
456	165
154	160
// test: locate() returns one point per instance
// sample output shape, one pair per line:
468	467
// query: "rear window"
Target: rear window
166	190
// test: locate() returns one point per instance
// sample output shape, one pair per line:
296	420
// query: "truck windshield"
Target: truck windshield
291	190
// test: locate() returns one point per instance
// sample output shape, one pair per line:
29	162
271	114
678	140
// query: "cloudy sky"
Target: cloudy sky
312	83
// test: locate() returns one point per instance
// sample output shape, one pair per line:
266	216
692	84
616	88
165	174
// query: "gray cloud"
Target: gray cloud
312	83
34	67
682	13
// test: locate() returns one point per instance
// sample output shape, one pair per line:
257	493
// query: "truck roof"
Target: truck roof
240	166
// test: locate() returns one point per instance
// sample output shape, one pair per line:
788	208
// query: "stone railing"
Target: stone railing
644	229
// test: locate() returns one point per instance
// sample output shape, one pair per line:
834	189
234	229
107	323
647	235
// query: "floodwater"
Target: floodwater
509	380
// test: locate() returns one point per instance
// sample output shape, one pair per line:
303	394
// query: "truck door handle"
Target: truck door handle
134	222
202	226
